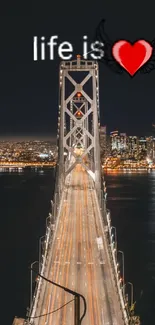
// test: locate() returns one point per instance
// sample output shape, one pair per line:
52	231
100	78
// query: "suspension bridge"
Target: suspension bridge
78	250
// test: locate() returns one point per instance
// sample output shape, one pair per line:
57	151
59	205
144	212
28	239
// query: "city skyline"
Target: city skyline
53	137
115	146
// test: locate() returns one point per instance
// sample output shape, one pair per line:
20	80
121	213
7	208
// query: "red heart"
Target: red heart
132	57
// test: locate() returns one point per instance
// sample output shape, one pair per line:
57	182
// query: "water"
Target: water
131	199
24	206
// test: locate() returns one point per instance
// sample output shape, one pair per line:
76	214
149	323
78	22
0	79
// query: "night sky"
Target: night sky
29	89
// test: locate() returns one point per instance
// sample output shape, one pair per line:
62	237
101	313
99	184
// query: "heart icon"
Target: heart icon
132	56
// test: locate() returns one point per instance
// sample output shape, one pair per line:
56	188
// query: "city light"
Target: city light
127	153
79	94
27	153
79	114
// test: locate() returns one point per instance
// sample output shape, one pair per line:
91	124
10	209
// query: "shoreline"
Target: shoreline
130	170
25	164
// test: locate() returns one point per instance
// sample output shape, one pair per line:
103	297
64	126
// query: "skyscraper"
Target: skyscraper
132	147
149	143
118	144
103	141
142	148
123	144
114	143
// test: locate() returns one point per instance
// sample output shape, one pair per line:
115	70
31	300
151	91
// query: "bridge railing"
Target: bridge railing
39	284
115	265
49	238
113	259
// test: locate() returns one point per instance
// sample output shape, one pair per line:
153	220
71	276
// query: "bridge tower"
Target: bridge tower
79	120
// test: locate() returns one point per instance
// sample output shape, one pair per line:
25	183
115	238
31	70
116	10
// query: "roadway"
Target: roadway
78	263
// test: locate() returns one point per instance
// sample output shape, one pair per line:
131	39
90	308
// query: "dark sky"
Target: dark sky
29	90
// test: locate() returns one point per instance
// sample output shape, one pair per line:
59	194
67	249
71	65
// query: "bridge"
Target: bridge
79	255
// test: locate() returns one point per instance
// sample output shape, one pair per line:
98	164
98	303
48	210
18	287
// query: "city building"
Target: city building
142	148
114	143
27	151
108	146
149	143
118	144
103	142
132	147
130	151
123	145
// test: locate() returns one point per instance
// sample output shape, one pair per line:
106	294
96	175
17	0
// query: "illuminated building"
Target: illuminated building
118	144
132	147
113	140
113	143
123	145
123	141
103	142
142	148
151	145
149	142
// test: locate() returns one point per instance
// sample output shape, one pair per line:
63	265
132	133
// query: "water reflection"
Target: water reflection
131	199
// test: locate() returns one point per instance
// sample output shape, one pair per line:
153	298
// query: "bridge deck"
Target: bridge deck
78	263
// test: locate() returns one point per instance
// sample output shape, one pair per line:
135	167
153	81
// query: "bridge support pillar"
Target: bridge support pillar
77	310
78	120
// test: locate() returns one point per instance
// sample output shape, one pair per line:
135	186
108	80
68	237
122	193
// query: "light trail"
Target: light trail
78	261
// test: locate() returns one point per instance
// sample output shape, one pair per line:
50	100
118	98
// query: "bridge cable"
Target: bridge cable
51	311
76	294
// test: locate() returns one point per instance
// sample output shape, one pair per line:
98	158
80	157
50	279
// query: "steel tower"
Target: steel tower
78	121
